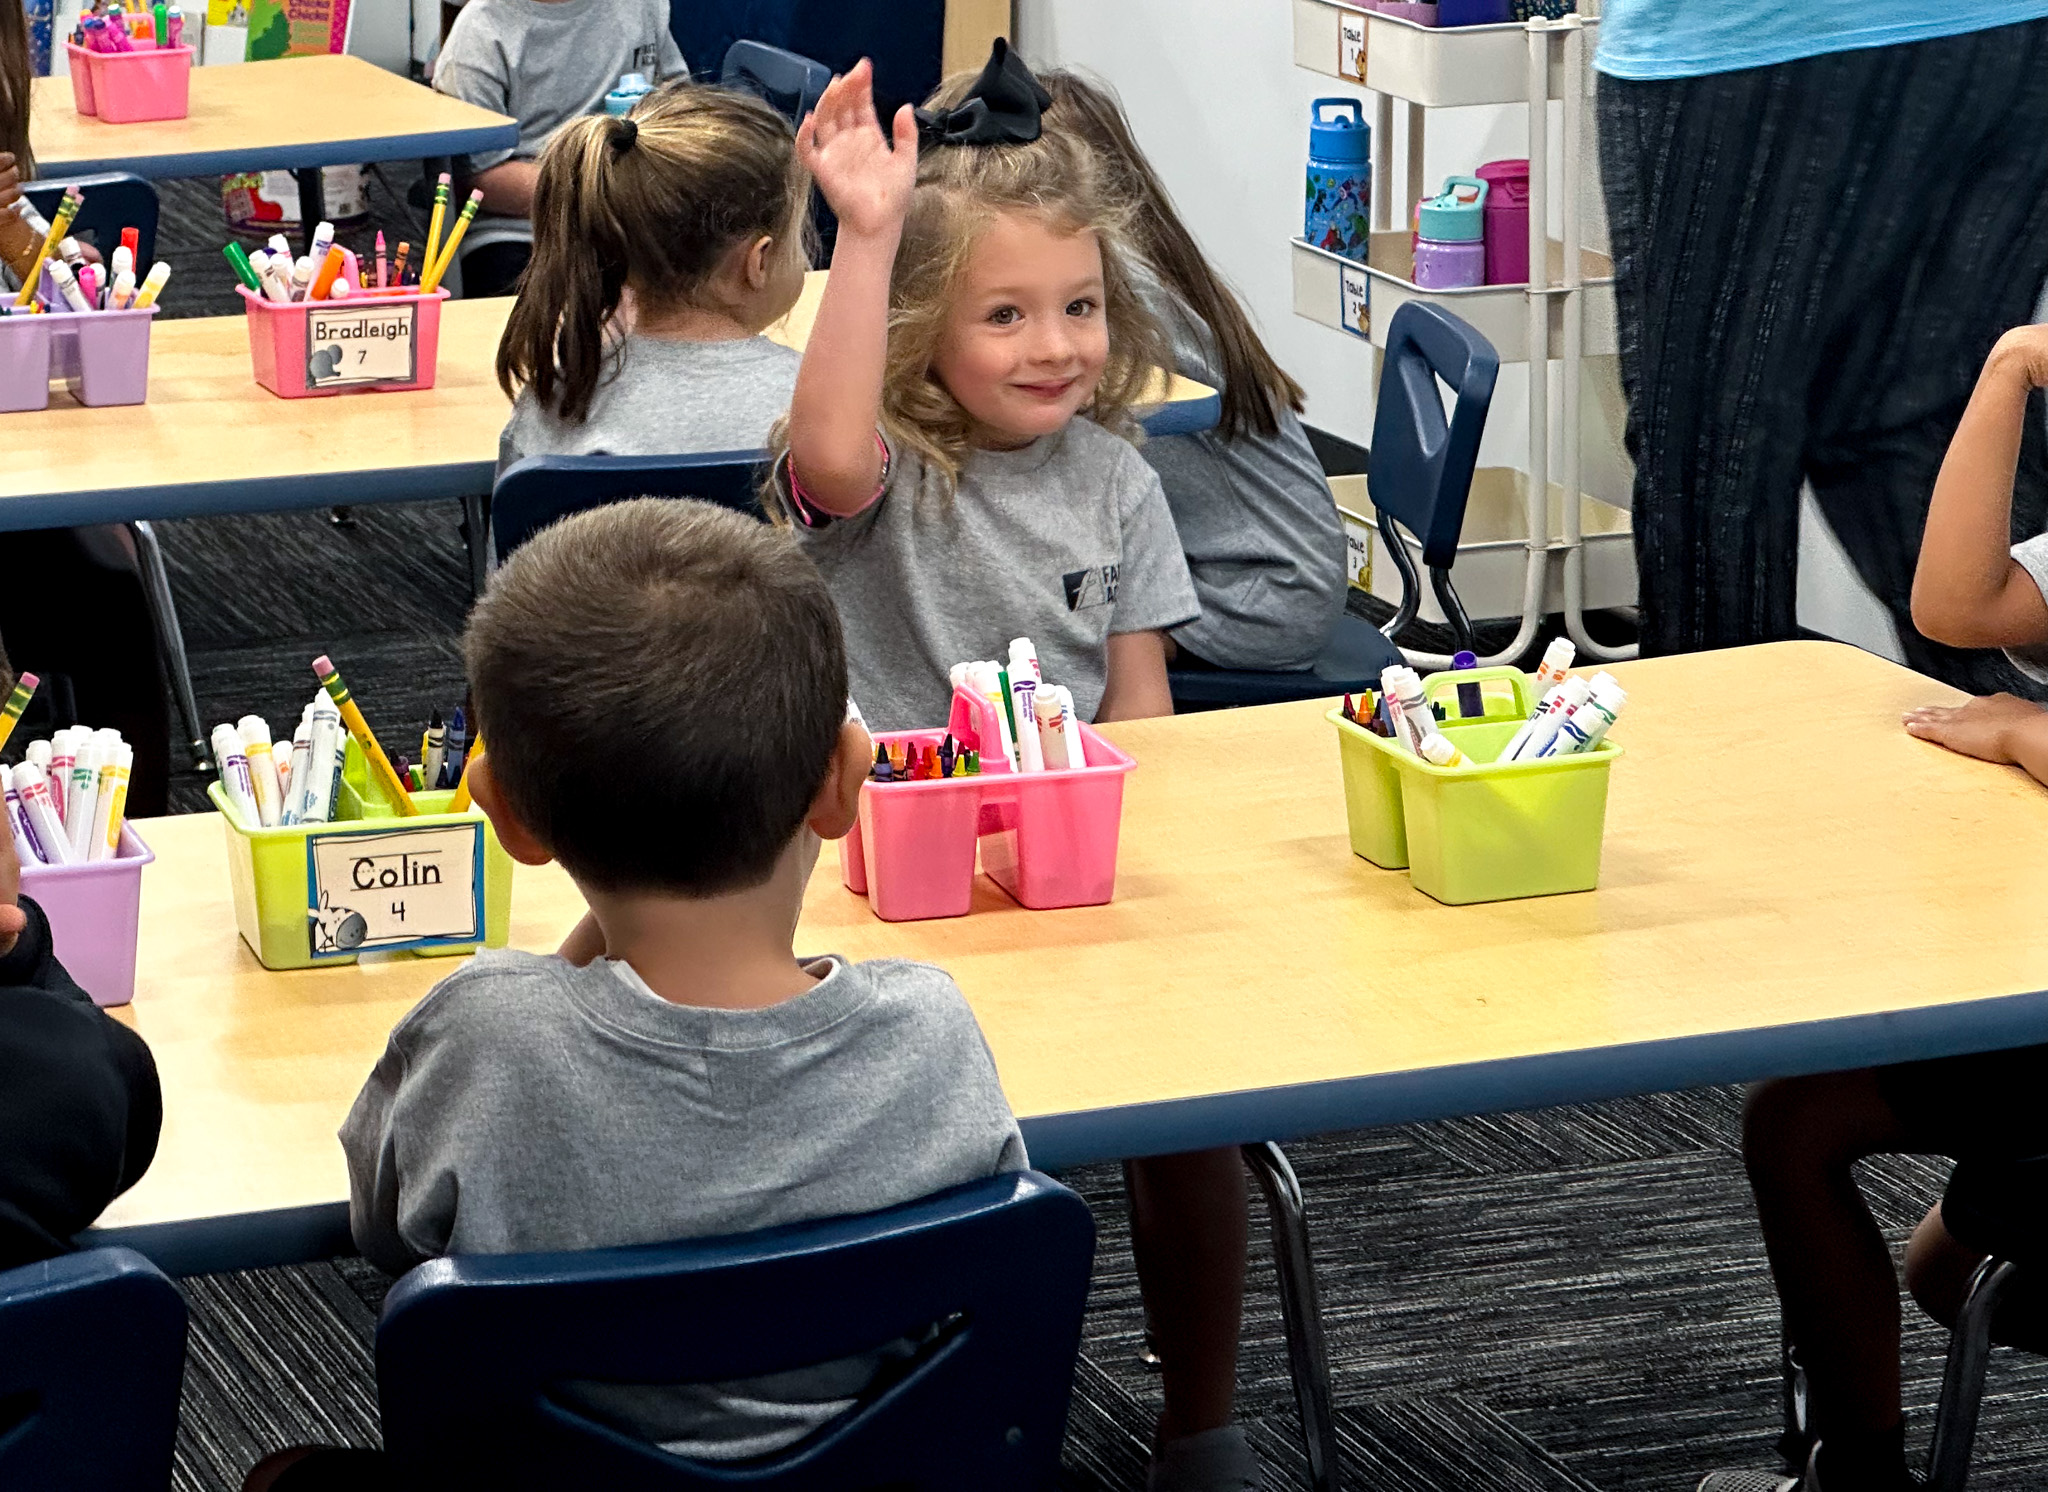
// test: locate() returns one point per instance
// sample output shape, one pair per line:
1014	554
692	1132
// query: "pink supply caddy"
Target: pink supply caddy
135	87
366	344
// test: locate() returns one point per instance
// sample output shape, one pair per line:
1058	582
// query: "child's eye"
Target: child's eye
1005	316
1085	306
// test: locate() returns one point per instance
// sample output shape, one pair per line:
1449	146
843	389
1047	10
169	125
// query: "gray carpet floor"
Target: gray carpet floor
1551	1302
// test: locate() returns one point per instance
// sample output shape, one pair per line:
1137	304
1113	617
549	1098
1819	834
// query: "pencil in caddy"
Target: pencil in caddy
309	895
368	343
1047	838
1484	830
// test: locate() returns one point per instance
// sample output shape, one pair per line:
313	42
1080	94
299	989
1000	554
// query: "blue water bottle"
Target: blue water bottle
1338	216
632	88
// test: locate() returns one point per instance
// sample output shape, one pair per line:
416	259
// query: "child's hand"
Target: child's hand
1985	728
13	920
842	145
2026	347
10	179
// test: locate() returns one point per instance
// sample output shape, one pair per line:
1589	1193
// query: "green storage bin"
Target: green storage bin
434	884
1479	833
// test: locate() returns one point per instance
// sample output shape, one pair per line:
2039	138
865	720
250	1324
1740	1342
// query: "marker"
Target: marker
71	254
160	32
177	26
275	286
131	238
330	270
302	276
123	258
434	223
1438	751
439	267
321	241
382	266
339	290
34	789
111	810
1052	729
1070	727
352	717
63	752
89	285
159	273
281	249
67	286
26	850
295	774
17	701
1562	700
237	257
433	747
324	757
1586	727
460	802
989	684
1557	660
1471	703
255	734
83	800
122	296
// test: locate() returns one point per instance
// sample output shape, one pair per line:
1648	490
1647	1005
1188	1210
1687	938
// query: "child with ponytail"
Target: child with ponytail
664	242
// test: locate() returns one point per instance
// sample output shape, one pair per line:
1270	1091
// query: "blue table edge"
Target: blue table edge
1061	1141
156	166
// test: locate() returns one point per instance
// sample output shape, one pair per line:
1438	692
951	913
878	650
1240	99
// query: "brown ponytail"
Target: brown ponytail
15	75
655	200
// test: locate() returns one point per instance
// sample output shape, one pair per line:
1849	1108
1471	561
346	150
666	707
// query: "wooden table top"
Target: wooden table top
280	115
209	440
1821	895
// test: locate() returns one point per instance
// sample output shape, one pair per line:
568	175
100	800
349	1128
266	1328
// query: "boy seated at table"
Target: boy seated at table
661	688
1974	588
544	62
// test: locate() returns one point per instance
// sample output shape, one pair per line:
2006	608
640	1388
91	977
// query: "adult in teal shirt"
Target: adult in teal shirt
1823	213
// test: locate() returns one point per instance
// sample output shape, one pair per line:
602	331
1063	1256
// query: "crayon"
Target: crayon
460	802
352	717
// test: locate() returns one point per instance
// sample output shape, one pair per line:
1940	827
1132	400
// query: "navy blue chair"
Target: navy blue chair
1420	477
92	1355
538	490
904	39
113	200
469	1348
790	84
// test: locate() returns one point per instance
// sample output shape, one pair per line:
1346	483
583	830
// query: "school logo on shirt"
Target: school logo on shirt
1092	587
647	60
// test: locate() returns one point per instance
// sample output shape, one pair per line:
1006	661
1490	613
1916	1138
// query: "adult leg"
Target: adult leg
494	269
1716	230
1188	1224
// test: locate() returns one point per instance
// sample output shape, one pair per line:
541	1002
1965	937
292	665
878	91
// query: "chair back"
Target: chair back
1422	463
903	39
539	490
469	1348
113	200
92	1355
791	84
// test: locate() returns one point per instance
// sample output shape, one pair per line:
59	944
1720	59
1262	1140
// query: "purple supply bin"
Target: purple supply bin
102	356
95	911
24	363
1507	221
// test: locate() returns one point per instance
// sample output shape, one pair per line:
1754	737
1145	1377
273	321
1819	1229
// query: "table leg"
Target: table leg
156	590
312	201
476	537
1308	1358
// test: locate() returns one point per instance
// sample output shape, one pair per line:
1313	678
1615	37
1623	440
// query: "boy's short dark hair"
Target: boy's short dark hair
660	685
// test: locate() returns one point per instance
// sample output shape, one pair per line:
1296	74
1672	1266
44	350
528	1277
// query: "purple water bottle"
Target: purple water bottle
1338	210
1450	236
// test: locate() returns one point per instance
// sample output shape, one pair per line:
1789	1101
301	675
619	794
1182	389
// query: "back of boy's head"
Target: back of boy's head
660	198
660	686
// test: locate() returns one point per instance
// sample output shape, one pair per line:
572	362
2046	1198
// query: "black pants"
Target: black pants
494	269
1812	261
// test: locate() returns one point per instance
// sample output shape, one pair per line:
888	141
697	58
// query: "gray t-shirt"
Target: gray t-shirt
1264	544
665	398
2033	556
546	62
1065	541
527	1104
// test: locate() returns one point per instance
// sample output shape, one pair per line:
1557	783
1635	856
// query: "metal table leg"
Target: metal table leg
1308	1358
312	200
476	534
156	590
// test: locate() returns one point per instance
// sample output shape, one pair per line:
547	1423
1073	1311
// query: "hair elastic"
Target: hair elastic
623	137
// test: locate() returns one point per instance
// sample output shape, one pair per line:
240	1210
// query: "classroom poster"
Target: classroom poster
296	28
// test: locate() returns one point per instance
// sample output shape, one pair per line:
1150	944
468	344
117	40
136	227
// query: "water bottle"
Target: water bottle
632	88
1507	221
1450	236
1338	215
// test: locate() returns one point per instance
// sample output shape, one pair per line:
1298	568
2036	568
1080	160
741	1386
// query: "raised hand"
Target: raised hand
841	143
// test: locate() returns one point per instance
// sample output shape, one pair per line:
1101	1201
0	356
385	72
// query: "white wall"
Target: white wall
1217	102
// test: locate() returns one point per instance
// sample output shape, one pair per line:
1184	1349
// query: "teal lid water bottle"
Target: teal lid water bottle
1338	205
632	88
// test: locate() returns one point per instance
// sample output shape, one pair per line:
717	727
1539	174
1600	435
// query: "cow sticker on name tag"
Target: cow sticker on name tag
360	344
413	888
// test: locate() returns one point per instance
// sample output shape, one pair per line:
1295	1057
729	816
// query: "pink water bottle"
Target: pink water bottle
1507	221
1450	233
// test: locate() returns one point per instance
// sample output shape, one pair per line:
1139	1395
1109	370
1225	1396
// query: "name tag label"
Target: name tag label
360	344
1354	301
407	889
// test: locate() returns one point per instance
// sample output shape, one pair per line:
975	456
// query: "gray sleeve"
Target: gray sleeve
1153	591
672	64
472	68
369	1140
2032	555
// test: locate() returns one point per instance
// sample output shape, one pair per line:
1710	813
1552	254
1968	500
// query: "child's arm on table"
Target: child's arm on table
508	188
1135	687
838	396
1968	590
1996	728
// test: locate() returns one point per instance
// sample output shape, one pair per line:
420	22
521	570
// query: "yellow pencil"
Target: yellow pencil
434	223
439	267
59	226
352	717
460	802
16	703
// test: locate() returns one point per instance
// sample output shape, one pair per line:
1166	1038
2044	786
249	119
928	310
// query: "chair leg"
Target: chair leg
1307	1356
476	536
1454	608
1962	1383
156	589
1411	583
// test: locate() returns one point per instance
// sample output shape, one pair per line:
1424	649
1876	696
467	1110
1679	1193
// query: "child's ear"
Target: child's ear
837	806
519	841
760	262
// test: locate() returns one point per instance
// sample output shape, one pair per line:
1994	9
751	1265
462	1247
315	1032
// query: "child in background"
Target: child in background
953	462
1974	588
676	1070
1264	544
694	206
544	62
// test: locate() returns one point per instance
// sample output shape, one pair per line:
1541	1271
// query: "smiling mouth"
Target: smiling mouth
1054	389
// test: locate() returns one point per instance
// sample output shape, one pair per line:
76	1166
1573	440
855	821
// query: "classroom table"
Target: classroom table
289	114
1791	884
210	441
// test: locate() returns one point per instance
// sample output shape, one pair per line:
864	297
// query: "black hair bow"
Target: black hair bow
1002	107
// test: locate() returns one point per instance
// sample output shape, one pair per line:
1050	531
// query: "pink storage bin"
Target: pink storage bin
1407	10
293	363
1049	839
138	87
81	78
94	911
